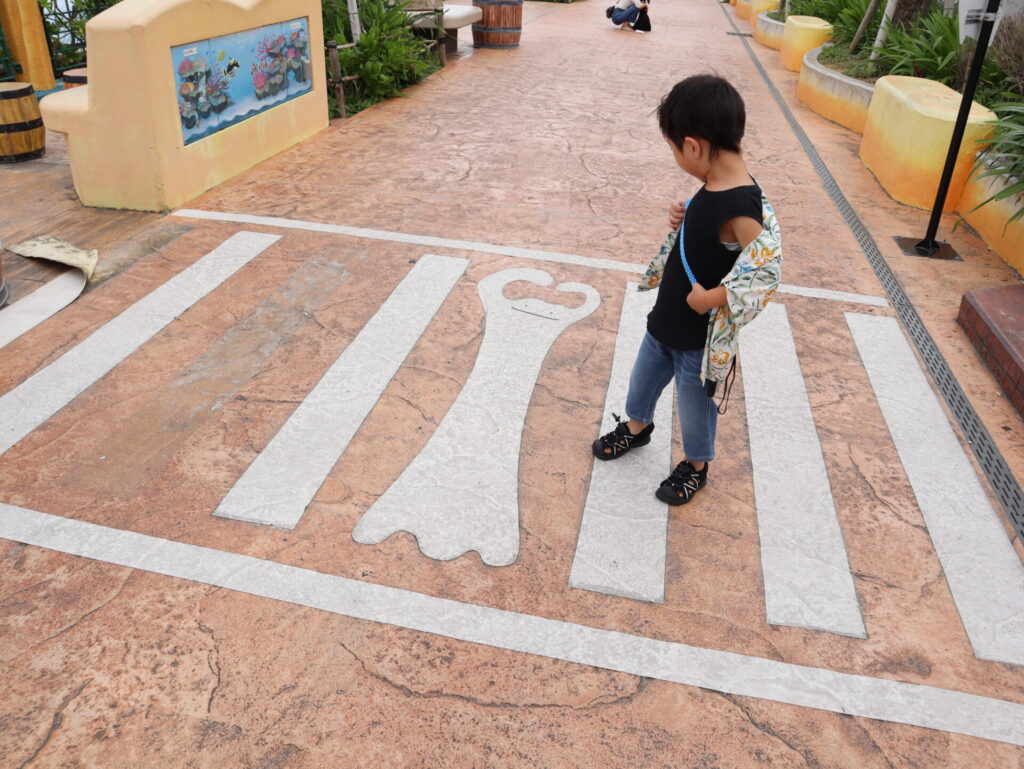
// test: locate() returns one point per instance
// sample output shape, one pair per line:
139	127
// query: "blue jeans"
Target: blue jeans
654	368
622	16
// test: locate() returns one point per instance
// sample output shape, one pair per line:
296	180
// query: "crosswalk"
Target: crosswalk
277	487
807	580
622	539
984	573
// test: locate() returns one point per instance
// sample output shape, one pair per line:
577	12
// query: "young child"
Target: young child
731	244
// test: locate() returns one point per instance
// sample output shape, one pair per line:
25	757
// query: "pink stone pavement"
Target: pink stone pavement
553	147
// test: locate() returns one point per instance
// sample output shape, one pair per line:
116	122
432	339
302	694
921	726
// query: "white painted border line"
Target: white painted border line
419	240
28	312
879	698
984	573
47	391
624	531
835	296
490	248
283	478
807	580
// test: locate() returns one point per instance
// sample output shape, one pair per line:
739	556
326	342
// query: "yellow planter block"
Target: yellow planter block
743	9
768	32
833	95
802	34
732	2
990	220
124	130
906	138
757	7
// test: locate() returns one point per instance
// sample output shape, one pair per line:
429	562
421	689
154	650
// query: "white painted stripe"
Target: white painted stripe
419	240
836	296
47	391
807	580
276	488
491	248
621	546
984	573
740	674
27	313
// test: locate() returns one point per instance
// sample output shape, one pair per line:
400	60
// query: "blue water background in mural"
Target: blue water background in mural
224	80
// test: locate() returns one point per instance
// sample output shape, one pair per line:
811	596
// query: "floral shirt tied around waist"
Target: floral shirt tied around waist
749	286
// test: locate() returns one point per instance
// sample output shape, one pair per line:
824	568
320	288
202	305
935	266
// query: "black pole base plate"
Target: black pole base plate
909	246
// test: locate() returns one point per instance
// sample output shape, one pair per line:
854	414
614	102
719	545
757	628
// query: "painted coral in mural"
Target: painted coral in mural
224	80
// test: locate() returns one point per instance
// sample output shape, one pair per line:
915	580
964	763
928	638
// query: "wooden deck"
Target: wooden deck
38	198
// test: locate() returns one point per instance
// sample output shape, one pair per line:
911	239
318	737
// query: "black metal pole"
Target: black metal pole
929	245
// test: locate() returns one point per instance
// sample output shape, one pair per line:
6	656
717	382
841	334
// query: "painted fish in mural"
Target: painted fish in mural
231	68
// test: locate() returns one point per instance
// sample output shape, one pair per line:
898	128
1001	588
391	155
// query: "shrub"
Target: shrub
845	25
930	47
388	57
828	10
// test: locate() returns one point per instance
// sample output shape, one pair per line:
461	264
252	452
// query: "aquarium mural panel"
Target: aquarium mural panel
225	80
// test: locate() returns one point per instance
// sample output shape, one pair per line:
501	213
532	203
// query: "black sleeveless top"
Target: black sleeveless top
672	321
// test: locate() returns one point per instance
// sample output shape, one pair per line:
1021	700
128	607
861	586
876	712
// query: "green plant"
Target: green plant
828	10
1004	158
388	57
844	16
929	47
336	20
858	65
64	23
845	25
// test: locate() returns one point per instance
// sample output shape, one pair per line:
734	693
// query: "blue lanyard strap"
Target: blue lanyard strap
682	250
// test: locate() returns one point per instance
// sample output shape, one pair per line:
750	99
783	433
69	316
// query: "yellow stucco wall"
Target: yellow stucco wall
832	95
767	33
124	133
990	220
743	9
906	138
802	33
23	28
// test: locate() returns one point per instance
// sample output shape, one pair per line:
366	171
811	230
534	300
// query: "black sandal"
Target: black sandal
682	484
620	440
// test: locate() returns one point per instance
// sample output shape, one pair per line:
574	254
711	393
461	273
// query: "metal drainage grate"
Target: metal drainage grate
1005	485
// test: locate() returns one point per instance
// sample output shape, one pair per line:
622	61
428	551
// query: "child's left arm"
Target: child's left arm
744	229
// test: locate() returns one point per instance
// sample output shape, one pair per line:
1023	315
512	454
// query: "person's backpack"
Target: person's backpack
643	22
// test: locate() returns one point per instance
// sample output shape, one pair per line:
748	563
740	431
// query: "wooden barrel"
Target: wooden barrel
501	25
75	77
22	136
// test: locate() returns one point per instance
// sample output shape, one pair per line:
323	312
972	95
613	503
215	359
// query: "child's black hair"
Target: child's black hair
703	107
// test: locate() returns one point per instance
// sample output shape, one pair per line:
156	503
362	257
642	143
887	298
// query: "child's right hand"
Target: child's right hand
676	212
